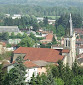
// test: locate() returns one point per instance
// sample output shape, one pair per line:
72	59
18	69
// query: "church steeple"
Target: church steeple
71	31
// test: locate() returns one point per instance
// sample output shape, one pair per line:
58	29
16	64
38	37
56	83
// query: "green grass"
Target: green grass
53	17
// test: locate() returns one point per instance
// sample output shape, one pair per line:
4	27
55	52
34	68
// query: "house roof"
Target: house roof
45	54
9	29
49	36
5	63
30	64
79	31
80	60
65	51
81	46
40	63
79	41
80	55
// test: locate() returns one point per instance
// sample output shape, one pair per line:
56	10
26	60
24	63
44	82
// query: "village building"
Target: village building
51	22
2	47
78	31
14	41
79	49
9	29
79	42
80	59
48	39
36	59
68	48
18	16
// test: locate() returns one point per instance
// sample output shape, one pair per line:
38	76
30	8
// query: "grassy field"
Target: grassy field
53	17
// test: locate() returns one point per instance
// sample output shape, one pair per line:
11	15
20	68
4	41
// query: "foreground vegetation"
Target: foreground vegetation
56	75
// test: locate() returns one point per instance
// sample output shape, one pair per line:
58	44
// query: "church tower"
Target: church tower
69	43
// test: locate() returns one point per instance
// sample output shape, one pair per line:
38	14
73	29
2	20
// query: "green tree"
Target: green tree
54	40
33	80
32	36
19	36
75	68
36	26
45	21
59	81
60	31
67	75
54	70
26	42
16	75
78	80
5	36
1	74
12	35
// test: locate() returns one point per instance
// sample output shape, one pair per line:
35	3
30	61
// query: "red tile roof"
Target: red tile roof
29	64
46	54
65	51
79	31
49	36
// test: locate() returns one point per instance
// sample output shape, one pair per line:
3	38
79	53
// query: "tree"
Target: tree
60	68
16	75
1	75
78	80
5	36
59	81
12	35
54	70
32	36
60	31
67	75
54	40
75	68
33	80
45	21
26	42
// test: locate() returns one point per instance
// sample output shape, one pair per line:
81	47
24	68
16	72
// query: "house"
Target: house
79	42
40	19
80	59
36	67
14	41
7	15
78	31
2	47
18	16
51	22
9	29
36	59
80	49
48	38
34	54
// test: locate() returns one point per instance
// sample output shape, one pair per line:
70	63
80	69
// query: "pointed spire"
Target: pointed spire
71	31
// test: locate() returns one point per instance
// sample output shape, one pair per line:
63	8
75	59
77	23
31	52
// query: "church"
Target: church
68	50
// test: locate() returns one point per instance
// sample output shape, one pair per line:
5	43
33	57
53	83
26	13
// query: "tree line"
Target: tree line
39	10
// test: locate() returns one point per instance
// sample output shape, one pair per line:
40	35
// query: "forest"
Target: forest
39	11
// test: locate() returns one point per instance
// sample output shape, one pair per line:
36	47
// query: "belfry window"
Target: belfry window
66	43
69	44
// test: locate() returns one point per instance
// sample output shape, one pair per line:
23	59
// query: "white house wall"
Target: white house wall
29	73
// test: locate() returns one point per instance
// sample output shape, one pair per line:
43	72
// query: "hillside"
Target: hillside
45	2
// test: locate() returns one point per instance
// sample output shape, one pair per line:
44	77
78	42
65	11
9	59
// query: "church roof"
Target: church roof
45	54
